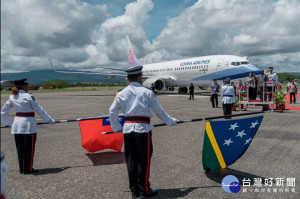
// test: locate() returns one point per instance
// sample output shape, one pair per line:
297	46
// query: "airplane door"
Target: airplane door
219	66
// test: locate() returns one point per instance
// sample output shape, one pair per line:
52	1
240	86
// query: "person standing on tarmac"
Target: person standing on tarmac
292	91
136	101
191	89
228	97
214	93
24	127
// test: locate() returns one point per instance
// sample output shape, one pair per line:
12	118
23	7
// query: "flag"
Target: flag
92	138
227	140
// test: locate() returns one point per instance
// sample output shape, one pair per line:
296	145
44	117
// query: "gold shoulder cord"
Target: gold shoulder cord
116	98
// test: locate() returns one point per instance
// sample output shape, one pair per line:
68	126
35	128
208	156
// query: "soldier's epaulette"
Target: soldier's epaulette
33	98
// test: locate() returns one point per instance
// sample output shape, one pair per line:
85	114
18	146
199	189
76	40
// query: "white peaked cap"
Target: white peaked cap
134	70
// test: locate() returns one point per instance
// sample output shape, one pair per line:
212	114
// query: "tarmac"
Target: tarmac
66	170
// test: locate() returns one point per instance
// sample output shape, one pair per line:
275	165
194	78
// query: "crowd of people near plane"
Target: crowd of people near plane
261	85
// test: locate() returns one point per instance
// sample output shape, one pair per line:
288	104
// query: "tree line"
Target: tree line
282	77
64	84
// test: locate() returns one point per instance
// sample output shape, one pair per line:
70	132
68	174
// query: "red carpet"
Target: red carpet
287	98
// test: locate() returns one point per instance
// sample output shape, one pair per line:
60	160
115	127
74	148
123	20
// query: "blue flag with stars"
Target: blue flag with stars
227	140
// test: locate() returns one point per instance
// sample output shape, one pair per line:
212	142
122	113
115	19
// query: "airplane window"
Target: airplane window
238	63
233	63
245	62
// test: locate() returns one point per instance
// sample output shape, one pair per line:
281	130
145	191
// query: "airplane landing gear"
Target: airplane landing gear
182	89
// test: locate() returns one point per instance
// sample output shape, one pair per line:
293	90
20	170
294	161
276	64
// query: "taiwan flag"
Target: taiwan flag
227	140
92	138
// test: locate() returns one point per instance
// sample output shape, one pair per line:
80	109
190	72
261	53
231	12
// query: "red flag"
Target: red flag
92	138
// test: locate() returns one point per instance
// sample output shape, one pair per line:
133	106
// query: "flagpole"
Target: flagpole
200	119
58	121
155	125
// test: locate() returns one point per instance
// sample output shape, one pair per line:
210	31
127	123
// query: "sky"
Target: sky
80	34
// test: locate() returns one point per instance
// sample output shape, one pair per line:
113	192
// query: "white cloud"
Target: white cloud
252	28
34	29
244	39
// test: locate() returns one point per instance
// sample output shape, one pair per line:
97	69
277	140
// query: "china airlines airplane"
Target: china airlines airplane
181	73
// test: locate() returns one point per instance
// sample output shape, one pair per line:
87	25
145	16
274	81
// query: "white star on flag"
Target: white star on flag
233	126
241	134
228	142
248	141
254	124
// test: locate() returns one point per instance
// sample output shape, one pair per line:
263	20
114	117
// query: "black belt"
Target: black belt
227	96
137	119
25	114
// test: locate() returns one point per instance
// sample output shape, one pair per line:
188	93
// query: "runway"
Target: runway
68	171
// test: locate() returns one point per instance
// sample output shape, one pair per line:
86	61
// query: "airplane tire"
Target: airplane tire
179	90
185	90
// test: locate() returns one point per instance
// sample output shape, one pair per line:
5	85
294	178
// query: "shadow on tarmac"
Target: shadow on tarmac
107	158
219	174
50	171
178	192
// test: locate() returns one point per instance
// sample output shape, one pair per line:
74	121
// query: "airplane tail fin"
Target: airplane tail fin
132	60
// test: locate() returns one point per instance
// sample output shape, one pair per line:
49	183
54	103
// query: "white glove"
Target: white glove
174	122
51	121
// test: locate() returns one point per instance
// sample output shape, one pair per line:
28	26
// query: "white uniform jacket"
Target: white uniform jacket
136	100
272	77
227	94
22	103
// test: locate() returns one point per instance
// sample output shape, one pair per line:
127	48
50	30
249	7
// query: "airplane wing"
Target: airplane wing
8	83
89	73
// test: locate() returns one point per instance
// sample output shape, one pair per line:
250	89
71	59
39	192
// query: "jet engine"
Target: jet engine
159	84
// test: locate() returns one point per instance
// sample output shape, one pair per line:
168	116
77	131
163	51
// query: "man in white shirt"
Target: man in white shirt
135	101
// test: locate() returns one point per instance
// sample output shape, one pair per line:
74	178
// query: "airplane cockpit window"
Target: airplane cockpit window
239	63
245	62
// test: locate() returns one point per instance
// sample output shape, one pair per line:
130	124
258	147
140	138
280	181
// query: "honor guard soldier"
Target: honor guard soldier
24	126
228	97
273	81
136	101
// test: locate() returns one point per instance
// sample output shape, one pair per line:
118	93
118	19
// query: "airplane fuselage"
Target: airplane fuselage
200	71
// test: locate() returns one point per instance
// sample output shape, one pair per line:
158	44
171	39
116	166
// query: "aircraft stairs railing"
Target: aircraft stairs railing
265	104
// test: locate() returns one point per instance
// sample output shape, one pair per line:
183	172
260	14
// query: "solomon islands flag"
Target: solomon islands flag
91	134
227	140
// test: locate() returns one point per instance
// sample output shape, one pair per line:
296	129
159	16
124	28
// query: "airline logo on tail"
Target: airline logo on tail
133	61
130	56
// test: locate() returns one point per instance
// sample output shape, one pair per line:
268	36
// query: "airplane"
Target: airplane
181	73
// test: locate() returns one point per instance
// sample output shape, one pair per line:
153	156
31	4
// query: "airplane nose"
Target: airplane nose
253	69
